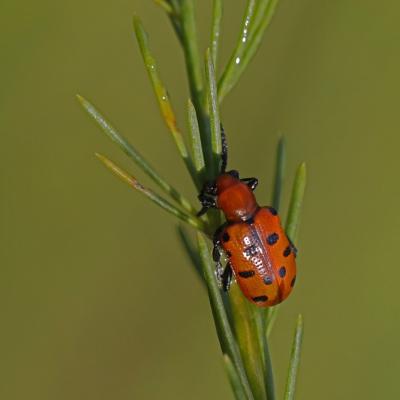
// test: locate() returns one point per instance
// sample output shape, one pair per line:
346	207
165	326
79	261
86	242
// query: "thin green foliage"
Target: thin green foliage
213	113
134	155
162	96
229	76
165	5
191	250
195	140
154	197
292	226
257	17
215	31
191	49
296	202
247	336
234	379
294	360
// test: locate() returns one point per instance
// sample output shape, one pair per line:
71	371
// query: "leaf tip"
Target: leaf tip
303	170
300	321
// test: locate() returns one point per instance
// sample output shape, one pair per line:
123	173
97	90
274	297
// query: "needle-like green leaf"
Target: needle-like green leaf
257	34
230	76
234	379
134	155
162	95
257	17
296	201
154	197
195	140
191	49
224	330
215	31
190	251
294	360
292	226
213	112
272	313
279	174
165	5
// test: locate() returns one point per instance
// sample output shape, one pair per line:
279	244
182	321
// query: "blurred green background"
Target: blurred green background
97	300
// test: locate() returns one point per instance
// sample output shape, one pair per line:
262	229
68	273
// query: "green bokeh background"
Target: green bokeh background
97	300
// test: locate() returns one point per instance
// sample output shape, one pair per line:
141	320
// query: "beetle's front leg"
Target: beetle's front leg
250	182
207	202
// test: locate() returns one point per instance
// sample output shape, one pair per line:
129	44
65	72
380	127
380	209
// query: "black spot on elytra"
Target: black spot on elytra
260	299
267	280
272	210
287	251
247	274
272	238
282	272
293	281
250	221
225	237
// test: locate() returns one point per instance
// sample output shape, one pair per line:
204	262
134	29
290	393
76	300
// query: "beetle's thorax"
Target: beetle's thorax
235	198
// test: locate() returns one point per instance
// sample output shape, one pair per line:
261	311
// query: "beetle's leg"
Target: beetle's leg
293	247
216	253
207	202
250	182
224	153
227	277
207	197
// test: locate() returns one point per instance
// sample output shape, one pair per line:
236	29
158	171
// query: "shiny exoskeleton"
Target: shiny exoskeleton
261	256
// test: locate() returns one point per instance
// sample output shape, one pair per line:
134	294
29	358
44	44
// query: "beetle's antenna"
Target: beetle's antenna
224	153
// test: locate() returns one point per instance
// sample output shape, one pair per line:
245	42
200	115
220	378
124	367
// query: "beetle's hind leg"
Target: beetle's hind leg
216	253
293	247
227	276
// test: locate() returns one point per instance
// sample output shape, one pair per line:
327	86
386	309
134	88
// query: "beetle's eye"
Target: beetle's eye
234	173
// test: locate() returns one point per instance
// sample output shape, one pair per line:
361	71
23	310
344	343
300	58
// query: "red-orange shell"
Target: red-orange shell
261	257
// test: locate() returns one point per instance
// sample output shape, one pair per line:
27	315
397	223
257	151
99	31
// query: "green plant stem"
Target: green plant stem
234	379
244	318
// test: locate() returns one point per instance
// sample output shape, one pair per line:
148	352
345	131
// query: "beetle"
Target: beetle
260	256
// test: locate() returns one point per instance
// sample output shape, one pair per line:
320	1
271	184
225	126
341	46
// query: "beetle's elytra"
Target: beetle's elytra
260	255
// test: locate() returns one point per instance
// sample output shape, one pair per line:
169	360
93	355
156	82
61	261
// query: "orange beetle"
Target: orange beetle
261	256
